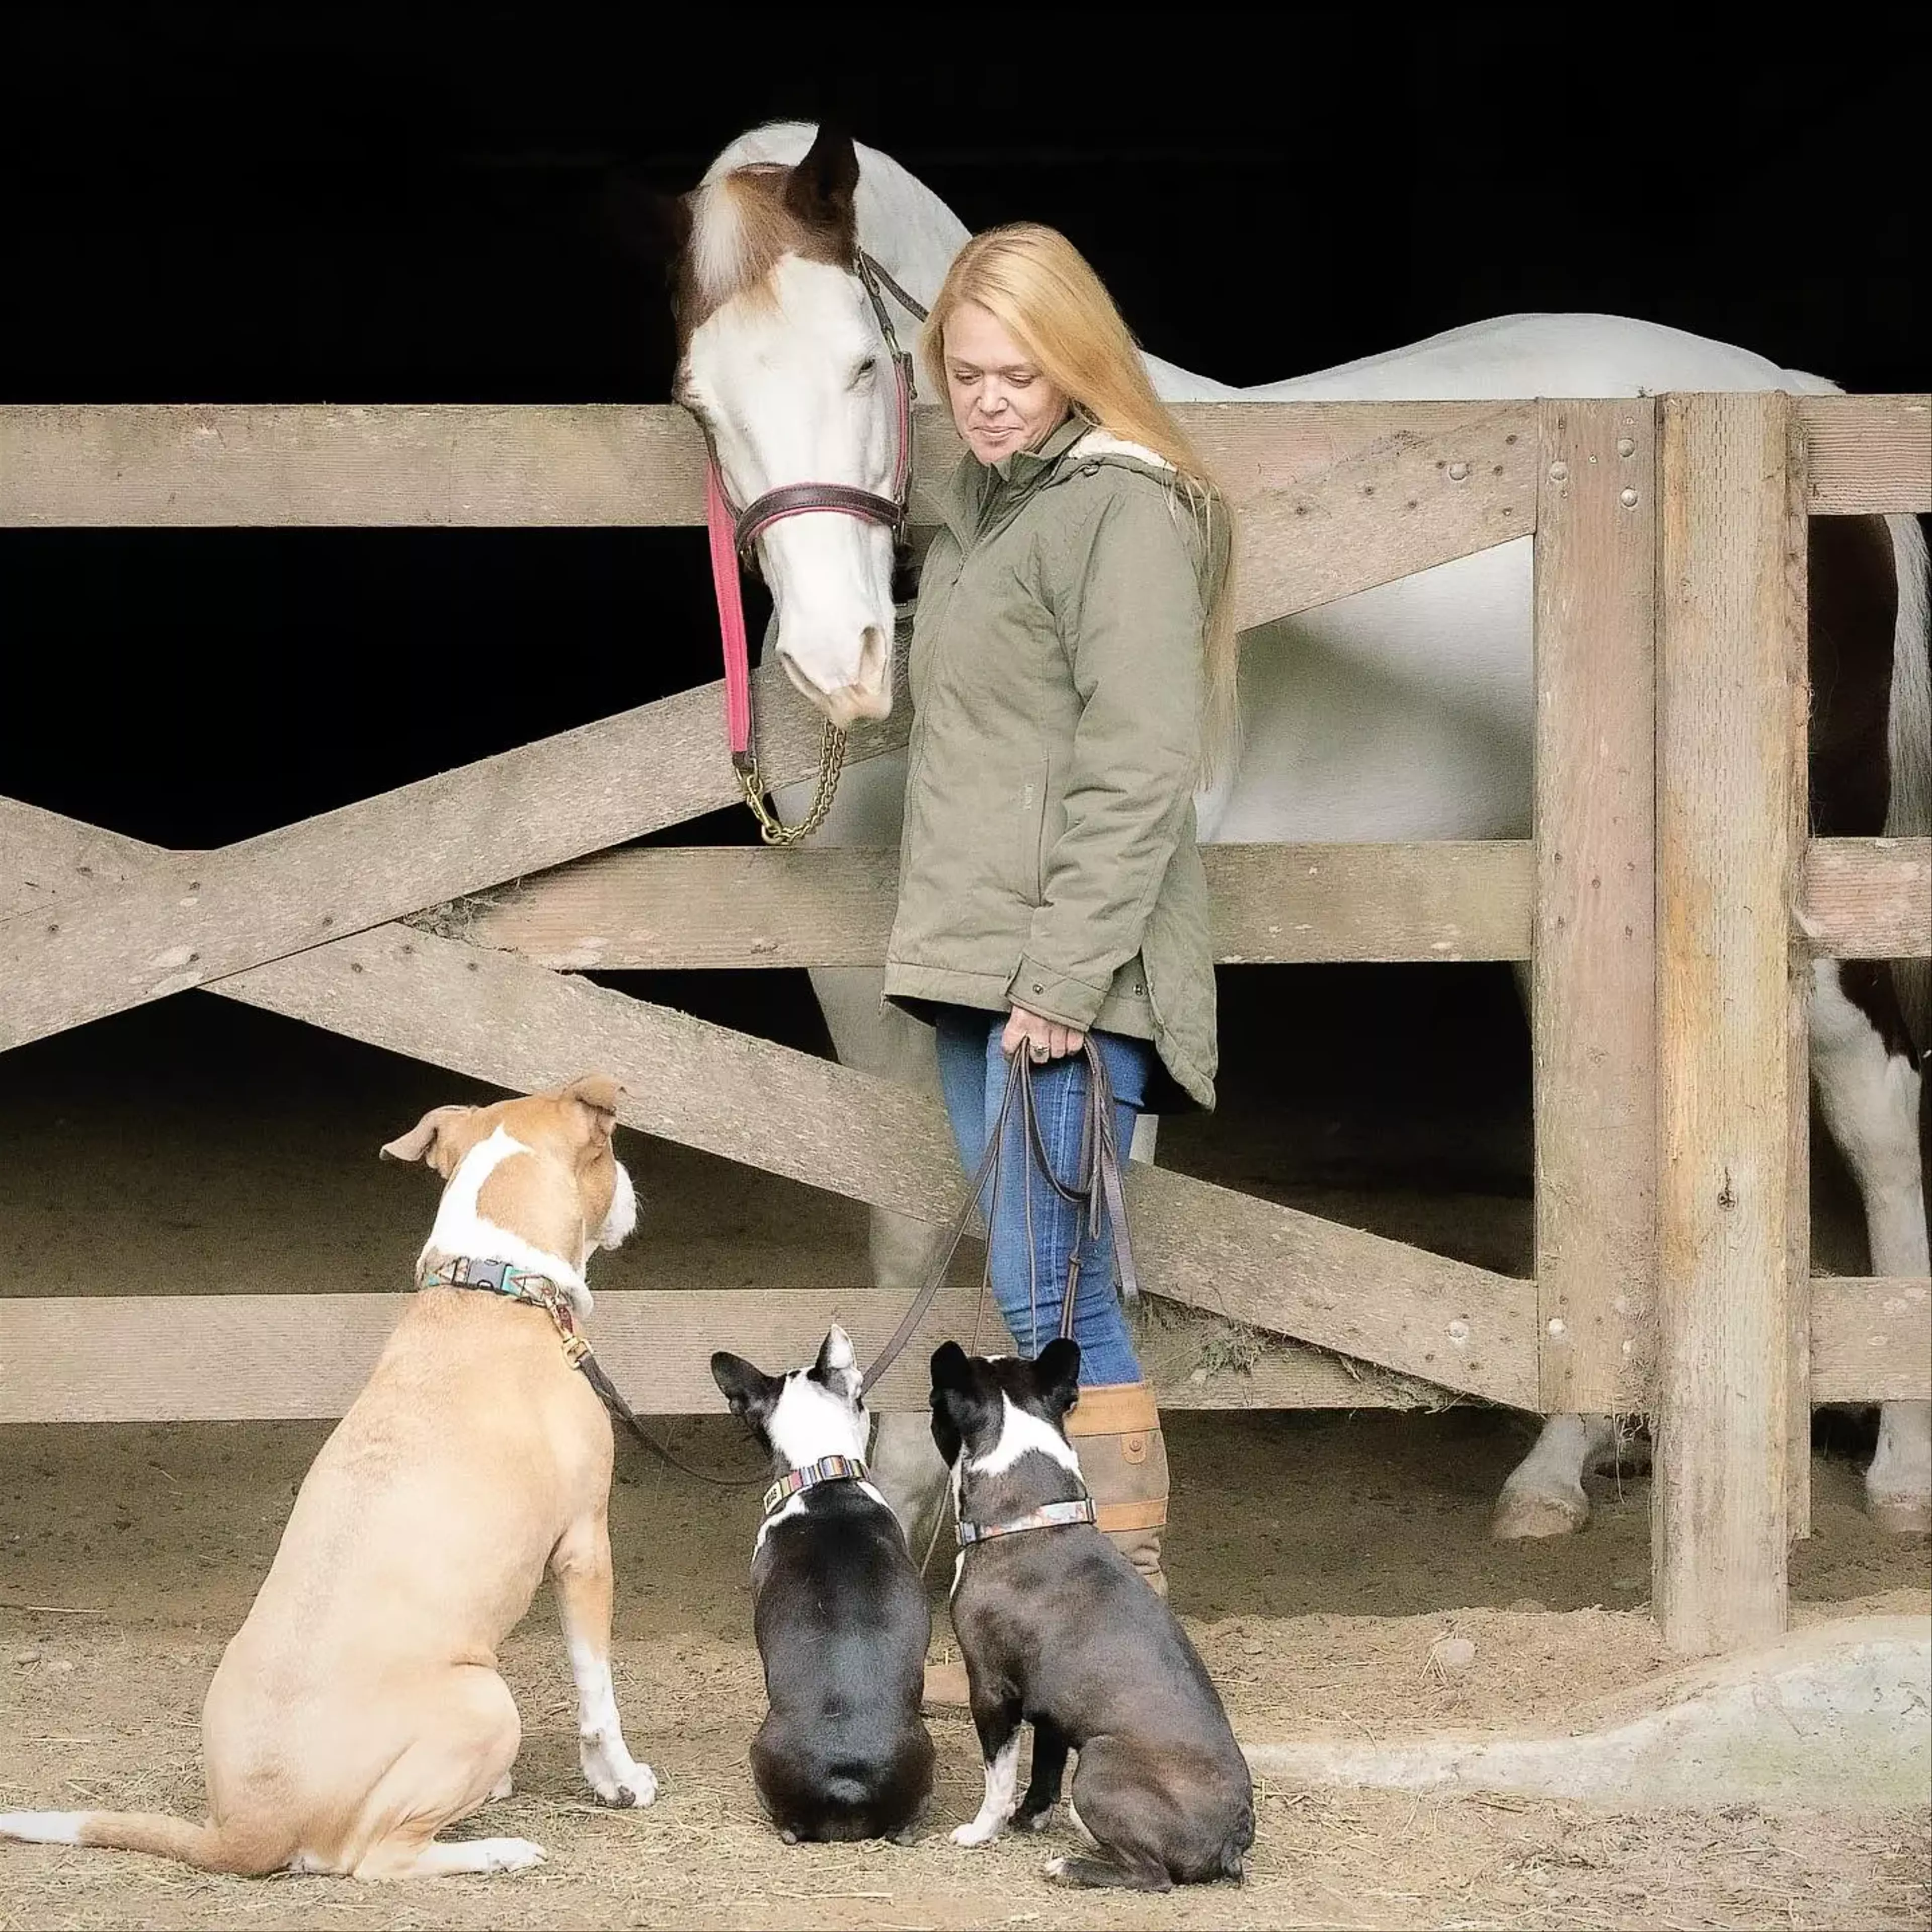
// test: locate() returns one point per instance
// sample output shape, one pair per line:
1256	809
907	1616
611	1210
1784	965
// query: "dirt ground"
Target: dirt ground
1314	1558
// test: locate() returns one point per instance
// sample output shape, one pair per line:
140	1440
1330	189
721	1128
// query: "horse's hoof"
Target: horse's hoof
1900	1515
1526	1513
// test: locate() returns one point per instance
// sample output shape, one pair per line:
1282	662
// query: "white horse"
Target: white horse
1404	712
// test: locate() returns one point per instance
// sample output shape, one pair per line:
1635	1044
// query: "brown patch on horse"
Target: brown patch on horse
745	223
1869	985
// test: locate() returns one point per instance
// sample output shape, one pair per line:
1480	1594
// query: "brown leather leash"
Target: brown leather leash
1095	1185
539	1291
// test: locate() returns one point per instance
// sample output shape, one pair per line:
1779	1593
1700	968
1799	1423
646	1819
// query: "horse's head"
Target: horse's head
783	359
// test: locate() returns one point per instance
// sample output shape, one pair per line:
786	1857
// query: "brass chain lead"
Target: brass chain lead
772	830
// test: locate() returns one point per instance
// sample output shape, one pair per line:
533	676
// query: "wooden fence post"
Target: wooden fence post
1593	1005
1731	692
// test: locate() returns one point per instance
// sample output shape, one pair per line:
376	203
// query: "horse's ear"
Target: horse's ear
819	190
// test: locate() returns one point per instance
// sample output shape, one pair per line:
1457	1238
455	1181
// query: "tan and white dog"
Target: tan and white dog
359	1710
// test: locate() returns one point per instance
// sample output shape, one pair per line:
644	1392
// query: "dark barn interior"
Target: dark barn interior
403	204
341	205
347	203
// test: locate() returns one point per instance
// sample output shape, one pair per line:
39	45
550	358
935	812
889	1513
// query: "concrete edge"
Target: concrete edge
1837	1716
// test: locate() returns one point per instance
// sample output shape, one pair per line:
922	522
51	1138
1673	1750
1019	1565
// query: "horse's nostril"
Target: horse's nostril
872	657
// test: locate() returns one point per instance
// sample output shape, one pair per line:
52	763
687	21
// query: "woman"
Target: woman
1072	659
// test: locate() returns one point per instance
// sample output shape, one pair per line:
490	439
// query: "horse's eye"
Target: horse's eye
865	369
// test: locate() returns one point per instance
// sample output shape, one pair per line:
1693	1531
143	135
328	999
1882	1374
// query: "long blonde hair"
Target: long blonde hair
1044	293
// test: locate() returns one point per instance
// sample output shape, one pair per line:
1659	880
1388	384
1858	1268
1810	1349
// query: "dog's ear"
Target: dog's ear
838	1365
598	1094
952	1366
952	1399
946	1437
1056	1374
751	1392
438	1138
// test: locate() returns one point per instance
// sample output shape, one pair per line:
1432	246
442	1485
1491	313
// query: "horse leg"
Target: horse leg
1544	1494
883	1041
1868	1082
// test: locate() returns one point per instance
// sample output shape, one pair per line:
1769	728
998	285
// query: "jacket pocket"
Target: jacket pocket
1030	836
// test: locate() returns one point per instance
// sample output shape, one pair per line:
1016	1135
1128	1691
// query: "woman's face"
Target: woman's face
1000	401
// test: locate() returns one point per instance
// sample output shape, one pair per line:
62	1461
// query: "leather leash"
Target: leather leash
1096	1186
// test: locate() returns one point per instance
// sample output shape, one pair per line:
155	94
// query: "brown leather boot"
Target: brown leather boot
1115	1431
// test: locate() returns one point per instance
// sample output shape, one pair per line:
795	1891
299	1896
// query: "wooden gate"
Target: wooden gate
1669	902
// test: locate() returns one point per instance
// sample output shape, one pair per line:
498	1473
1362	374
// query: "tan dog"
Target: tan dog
359	1710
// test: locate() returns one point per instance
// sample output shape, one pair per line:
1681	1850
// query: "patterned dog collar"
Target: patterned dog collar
501	1278
827	1469
1049	1516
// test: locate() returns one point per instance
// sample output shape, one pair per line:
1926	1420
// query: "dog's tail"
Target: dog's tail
202	1846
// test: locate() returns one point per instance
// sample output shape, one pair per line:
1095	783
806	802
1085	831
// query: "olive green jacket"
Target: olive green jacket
1049	854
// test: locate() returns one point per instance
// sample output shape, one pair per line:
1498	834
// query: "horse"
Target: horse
1404	712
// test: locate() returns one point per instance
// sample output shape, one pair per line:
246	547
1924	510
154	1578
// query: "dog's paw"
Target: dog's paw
1054	1869
1033	1821
623	1784
496	1855
978	1831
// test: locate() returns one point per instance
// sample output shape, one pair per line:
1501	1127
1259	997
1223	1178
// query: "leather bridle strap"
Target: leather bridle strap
793	499
734	534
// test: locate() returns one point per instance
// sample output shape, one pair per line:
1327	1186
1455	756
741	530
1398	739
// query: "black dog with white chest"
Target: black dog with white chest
1059	1630
840	1613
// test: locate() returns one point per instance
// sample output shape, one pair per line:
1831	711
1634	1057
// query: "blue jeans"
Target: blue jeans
1030	1290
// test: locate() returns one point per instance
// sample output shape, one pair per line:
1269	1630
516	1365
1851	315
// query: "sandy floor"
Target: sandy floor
1315	1558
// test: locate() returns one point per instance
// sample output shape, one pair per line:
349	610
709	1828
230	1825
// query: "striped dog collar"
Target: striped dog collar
827	1469
1049	1516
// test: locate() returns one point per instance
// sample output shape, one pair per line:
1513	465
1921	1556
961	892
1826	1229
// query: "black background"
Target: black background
298	202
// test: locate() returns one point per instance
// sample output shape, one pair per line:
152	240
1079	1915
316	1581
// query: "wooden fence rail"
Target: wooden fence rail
662	907
1668	902
500	466
239	1358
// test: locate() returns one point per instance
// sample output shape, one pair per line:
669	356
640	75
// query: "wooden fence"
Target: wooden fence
1668	901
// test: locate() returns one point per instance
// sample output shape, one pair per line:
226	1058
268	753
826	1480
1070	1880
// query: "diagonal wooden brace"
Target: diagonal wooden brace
502	1019
185	919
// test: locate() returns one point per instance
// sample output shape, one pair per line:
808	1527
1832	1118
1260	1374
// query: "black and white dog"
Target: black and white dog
1058	1629
840	1615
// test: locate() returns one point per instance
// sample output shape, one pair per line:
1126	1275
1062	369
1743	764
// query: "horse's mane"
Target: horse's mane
742	227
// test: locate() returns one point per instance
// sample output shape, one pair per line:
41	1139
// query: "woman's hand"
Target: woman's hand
1043	1039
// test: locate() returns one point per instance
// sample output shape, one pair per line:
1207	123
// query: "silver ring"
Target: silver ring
1036	1049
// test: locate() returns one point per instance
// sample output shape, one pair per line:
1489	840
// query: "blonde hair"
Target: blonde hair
1043	292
